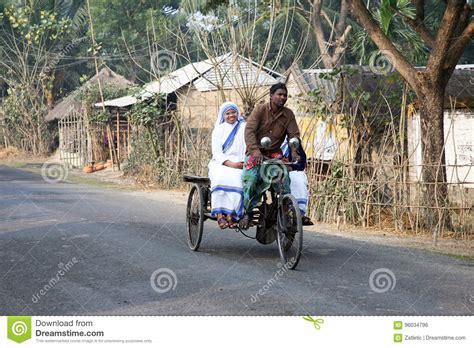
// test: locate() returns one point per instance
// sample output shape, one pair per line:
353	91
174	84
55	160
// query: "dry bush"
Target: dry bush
7	153
163	152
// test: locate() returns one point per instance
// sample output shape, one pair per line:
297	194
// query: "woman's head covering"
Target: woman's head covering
226	107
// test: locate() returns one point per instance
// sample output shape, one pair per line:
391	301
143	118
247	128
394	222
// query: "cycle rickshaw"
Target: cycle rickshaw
276	218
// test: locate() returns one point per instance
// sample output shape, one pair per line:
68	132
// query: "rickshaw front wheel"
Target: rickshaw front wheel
290	231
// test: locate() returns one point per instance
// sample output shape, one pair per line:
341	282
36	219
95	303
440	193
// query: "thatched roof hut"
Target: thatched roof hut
79	141
107	78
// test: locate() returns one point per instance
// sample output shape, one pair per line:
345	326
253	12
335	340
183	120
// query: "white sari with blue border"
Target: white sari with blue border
228	143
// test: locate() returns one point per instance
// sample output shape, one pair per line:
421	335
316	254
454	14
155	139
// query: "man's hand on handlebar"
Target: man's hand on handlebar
257	155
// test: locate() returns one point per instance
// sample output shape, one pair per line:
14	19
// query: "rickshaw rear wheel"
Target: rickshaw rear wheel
290	231
195	217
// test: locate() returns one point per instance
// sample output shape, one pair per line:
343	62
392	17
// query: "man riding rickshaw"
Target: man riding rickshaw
238	203
277	122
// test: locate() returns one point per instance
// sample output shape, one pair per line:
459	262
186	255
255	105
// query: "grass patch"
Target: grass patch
465	258
72	177
91	181
13	164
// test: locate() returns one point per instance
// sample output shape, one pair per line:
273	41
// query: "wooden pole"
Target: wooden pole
109	130
118	135
109	139
128	138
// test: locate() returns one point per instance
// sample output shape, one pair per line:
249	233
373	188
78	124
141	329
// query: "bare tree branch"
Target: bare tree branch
340	46
342	17
337	38
444	37
318	31
463	21
420	10
457	48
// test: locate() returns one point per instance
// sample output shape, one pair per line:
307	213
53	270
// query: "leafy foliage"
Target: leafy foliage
90	95
390	8
53	41
47	27
388	14
148	112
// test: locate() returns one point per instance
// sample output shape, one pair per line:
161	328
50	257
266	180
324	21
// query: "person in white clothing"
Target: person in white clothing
298	178
225	167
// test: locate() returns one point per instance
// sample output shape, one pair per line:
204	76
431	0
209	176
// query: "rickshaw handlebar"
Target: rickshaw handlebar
272	161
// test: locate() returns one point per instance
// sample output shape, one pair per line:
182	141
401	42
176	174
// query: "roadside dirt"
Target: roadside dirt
463	249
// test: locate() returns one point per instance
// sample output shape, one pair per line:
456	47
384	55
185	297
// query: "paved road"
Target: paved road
68	249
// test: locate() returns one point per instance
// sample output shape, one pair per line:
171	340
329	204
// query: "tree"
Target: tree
260	33
331	47
129	24
286	21
446	44
30	38
404	37
327	22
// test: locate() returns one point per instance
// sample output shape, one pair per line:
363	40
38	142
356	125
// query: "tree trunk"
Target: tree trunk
434	188
455	32
48	93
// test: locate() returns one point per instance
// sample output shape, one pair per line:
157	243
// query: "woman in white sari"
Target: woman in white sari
225	167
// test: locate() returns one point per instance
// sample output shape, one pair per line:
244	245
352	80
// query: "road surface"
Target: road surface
70	249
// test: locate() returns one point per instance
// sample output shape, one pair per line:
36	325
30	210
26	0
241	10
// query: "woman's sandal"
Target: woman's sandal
231	223
222	222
